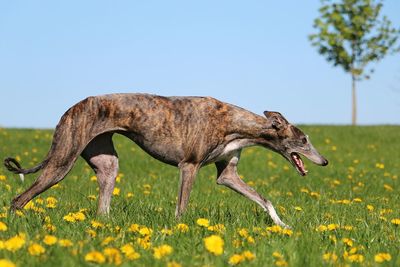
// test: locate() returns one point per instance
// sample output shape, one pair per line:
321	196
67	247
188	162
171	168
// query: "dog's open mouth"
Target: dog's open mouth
296	160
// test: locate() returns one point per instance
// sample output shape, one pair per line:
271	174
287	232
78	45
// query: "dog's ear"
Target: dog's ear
276	119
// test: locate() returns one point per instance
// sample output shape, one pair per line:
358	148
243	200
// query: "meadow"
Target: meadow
344	214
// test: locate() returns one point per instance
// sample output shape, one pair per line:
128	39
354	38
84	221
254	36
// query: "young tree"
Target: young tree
351	34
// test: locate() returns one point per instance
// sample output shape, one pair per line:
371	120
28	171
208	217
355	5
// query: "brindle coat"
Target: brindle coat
187	132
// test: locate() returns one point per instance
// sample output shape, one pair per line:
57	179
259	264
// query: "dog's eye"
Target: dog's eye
304	140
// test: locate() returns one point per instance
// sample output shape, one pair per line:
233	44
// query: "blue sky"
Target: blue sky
254	54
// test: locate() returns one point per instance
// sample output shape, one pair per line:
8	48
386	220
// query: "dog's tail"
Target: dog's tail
13	166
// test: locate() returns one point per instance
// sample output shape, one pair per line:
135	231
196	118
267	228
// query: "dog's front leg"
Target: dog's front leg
188	172
228	176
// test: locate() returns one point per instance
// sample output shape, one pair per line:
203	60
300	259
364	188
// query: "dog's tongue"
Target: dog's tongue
299	163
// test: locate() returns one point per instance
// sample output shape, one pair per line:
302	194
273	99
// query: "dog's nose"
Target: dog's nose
325	162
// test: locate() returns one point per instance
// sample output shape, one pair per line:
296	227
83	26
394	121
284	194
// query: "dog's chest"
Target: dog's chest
233	148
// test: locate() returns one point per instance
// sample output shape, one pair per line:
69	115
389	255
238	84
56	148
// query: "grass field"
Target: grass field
344	214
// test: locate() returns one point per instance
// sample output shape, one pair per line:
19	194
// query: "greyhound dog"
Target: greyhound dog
186	132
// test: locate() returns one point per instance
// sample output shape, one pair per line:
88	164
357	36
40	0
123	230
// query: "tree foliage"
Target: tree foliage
351	34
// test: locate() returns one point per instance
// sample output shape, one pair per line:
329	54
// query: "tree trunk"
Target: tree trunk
354	100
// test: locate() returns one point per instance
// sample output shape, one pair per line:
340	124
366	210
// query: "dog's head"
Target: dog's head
290	142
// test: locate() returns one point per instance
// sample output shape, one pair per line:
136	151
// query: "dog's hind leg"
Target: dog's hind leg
102	157
53	172
228	176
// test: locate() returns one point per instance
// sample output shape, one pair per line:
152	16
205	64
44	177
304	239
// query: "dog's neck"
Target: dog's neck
251	127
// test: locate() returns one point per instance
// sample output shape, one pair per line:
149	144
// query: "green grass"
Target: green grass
363	170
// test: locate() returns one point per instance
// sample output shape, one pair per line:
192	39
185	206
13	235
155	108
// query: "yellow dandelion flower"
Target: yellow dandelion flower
357	200
3	227
6	263
134	228
130	252
69	217
250	240
15	243
183	228
333	239
166	231
50	240
287	232
51	202
129	195
315	194
65	243
348	227
203	222
19	213
107	240
218	228
237	243
388	187
332	226
356	258
395	221
75	217
144	242
47	219
3	178
385	211
147	186
96	224
329	257
274	229
92	197
243	232
30	205
214	244
353	250
91	233
298	208
113	256
277	255
248	255
162	251
281	262
56	186
93	178
116	191
380	165
382	257
348	242
145	231
304	190
173	264
235	259
36	249
95	257
79	216
49	227
370	207
321	228
39	201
